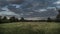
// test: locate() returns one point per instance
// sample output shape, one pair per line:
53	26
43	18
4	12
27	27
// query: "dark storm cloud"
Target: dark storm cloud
33	4
3	3
15	1
7	2
28	3
38	3
26	6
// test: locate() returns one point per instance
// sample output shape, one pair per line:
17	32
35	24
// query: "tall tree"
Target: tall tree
48	19
5	20
0	19
22	19
58	16
13	19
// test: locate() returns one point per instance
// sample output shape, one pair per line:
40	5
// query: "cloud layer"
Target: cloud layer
27	8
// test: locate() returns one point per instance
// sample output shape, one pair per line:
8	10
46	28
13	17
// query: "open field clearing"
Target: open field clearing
30	28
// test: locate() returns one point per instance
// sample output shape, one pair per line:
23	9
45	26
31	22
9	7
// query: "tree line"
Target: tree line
14	19
10	20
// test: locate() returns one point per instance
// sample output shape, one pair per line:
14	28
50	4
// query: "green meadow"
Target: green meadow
30	28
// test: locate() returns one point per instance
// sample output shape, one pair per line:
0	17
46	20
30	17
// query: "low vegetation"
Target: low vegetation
30	28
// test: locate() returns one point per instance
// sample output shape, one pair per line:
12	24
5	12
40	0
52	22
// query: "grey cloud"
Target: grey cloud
28	3
15	1
3	3
7	2
27	6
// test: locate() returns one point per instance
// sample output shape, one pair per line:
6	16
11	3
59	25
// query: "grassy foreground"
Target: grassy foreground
30	28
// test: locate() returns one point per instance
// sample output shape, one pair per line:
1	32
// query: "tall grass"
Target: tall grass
30	28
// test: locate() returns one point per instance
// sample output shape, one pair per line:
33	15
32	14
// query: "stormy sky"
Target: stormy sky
29	8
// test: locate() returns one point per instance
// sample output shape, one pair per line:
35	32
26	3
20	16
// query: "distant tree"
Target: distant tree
22	19
13	19
0	19
5	20
48	19
58	16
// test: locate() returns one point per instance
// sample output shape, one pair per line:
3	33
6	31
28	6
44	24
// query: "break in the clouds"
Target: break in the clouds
30	8
57	2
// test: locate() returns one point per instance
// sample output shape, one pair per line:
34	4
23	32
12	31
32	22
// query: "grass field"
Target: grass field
30	28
